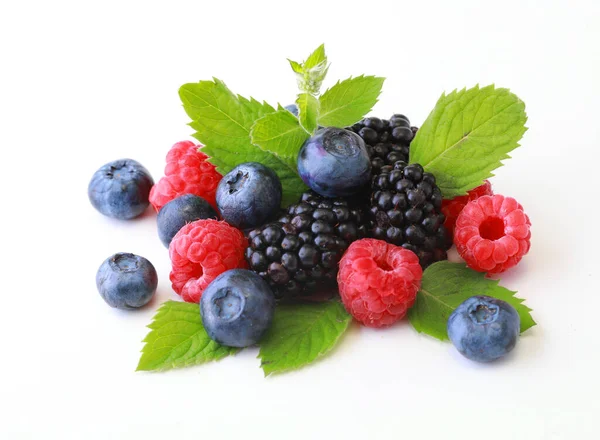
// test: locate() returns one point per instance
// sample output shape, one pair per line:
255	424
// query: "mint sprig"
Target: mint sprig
178	339
467	135
445	286
311	73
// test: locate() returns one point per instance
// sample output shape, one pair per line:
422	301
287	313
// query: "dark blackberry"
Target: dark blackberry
388	141
299	254
406	211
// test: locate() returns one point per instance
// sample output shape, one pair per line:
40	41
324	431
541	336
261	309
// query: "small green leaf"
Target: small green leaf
296	67
467	135
445	286
178	339
316	58
311	73
223	121
281	135
308	111
348	101
300	334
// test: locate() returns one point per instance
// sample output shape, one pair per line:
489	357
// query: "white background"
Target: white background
86	82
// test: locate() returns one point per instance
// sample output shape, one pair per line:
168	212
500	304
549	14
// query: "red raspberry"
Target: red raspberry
492	233
453	207
378	281
201	251
187	172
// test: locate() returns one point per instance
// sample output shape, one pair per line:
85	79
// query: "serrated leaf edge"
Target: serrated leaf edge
347	320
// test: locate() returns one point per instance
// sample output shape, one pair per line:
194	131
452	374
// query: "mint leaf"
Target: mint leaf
178	339
308	111
280	134
316	58
466	136
311	74
348	101
296	67
445	285
300	334
223	121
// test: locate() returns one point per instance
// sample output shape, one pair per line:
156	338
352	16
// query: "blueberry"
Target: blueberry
120	189
180	211
293	109
484	329
126	281
237	308
334	162
249	195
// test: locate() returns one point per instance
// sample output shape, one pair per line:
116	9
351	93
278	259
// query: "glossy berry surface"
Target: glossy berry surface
187	172
249	195
179	212
126	281
406	211
484	329
334	162
452	208
492	233
120	189
201	251
378	282
237	308
387	140
299	254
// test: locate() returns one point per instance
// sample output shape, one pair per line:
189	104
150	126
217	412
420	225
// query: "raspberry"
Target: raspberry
452	208
492	233
201	251
187	172
378	281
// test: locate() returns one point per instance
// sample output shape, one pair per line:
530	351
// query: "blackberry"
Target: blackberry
299	254
406	211
388	141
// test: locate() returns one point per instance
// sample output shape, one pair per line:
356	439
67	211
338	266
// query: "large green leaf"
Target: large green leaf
467	135
300	334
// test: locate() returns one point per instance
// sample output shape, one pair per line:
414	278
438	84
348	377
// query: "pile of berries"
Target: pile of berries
235	250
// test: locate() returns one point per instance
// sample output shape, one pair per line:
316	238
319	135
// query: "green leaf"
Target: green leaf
445	286
308	111
311	73
466	136
280	134
300	334
178	339
223	121
296	67
316	58
348	101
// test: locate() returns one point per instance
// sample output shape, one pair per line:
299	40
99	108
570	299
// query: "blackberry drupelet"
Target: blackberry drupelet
299	254
406	211
388	141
